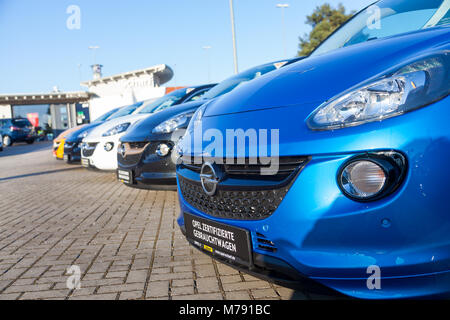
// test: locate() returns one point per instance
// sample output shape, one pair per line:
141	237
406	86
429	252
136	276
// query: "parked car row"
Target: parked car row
359	135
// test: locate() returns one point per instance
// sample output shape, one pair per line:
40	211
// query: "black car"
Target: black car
145	156
17	130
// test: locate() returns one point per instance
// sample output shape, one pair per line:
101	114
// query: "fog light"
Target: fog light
109	146
163	150
372	176
363	179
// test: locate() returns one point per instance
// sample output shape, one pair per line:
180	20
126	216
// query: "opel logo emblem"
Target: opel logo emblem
209	179
122	150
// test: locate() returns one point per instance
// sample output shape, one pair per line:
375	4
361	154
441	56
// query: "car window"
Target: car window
231	83
106	115
164	102
125	111
395	17
197	95
21	123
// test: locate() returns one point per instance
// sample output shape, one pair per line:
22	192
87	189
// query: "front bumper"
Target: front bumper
72	151
149	170
98	157
275	270
59	149
334	240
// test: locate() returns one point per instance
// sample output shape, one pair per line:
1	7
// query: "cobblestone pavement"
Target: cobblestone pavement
125	241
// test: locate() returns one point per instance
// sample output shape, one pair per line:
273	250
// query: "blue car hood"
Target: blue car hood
314	80
142	131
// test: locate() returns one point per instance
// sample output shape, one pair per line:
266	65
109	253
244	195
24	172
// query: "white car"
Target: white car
99	147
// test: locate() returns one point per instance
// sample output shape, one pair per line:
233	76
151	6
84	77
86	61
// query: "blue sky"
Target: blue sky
39	51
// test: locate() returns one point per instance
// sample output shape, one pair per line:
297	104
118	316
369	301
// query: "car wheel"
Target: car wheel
30	141
7	142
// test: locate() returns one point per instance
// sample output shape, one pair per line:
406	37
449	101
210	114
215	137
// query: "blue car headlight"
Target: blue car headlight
173	123
413	86
117	129
83	134
197	117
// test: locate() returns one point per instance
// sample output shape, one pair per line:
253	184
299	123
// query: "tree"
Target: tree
324	20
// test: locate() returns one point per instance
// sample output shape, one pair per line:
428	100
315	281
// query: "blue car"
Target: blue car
17	130
333	170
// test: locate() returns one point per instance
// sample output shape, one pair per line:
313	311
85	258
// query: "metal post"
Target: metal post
233	31
94	50
282	7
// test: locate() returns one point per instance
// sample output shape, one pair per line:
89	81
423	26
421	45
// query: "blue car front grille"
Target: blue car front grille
249	201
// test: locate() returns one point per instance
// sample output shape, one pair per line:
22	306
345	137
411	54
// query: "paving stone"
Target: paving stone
182	282
264	293
230	279
137	276
9	296
176	291
203	296
158	289
132	295
47	295
205	285
245	285
108	296
237	295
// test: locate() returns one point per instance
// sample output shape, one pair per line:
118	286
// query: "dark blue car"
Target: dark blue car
72	150
333	170
17	130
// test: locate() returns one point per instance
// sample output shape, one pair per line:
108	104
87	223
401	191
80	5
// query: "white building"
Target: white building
125	88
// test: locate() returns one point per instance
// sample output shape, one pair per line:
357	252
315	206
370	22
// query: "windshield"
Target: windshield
125	111
21	123
106	115
165	101
231	83
387	18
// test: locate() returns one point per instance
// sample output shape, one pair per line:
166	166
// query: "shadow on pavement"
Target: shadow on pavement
23	148
39	173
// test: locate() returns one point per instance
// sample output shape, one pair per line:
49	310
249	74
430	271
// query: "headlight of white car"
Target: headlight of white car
117	129
413	86
174	123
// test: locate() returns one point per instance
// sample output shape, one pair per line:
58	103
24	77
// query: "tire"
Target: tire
30	141
7	141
